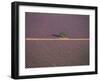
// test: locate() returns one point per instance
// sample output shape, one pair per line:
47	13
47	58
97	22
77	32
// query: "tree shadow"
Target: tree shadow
55	35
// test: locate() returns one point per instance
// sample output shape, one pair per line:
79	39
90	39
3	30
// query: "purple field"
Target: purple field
51	53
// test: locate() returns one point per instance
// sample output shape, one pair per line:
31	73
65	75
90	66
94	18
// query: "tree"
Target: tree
63	34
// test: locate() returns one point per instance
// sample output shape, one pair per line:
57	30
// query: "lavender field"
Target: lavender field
51	53
54	53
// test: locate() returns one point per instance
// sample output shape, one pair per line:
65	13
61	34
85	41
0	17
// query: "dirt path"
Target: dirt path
56	39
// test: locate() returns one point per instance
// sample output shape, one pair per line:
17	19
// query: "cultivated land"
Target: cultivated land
51	52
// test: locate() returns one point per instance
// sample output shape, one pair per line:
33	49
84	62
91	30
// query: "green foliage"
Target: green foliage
63	34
